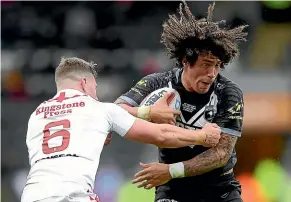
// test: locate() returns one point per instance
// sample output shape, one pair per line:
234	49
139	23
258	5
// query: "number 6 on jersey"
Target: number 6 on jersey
65	134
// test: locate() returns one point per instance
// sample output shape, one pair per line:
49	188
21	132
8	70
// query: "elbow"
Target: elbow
224	161
161	142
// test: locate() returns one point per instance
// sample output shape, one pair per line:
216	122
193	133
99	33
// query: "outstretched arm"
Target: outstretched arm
162	135
168	136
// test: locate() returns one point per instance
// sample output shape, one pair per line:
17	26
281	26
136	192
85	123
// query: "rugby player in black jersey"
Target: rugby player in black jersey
202	48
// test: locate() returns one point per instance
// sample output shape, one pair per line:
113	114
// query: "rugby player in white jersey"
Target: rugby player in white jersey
66	135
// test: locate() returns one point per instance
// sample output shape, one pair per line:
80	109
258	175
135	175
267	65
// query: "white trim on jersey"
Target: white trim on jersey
182	118
200	112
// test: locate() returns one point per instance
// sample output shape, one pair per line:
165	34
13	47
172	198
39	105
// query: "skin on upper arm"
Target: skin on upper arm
144	131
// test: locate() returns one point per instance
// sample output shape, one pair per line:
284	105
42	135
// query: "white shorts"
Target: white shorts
60	192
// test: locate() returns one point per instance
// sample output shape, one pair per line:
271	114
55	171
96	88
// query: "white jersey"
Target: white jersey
65	137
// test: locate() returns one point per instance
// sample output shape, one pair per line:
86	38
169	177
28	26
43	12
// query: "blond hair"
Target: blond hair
74	68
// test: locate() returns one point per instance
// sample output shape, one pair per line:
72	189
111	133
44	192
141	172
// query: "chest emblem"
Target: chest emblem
210	112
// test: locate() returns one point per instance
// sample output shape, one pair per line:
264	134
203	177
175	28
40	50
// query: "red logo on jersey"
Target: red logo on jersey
59	109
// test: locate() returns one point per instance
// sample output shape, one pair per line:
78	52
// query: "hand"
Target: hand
162	113
212	134
108	139
153	174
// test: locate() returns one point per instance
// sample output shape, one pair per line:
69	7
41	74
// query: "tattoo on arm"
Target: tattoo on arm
212	158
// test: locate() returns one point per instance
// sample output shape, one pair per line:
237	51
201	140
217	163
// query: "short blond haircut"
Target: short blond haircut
72	68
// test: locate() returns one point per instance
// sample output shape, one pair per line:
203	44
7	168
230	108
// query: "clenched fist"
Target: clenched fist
212	134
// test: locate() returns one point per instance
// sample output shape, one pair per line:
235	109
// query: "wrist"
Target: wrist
143	112
201	137
177	170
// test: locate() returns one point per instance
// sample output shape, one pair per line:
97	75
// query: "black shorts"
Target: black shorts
225	191
232	196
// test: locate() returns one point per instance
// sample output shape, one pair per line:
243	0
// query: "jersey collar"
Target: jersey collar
70	92
178	79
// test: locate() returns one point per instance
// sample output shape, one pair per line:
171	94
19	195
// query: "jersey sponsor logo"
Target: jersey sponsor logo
57	156
236	111
58	109
188	108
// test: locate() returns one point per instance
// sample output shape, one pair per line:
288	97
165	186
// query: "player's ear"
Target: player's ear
185	62
83	84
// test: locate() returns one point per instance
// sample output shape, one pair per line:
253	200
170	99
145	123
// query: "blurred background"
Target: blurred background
123	38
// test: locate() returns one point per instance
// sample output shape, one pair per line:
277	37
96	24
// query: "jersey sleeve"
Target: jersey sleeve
142	89
230	111
120	120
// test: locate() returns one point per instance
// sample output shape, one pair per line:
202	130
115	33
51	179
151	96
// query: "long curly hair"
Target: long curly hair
185	36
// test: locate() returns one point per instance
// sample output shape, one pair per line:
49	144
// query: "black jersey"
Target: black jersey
222	104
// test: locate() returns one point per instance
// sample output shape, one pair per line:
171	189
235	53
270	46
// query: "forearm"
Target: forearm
212	158
205	162
178	137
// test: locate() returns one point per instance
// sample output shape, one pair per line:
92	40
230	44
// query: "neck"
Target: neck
65	85
186	83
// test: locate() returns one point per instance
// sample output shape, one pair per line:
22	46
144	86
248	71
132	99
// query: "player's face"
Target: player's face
202	73
89	86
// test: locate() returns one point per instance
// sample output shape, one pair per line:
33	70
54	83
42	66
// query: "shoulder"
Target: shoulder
160	78
228	88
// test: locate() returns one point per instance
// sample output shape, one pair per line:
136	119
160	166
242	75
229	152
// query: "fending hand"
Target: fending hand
152	175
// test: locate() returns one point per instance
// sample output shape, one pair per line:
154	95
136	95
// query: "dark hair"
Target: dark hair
185	36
